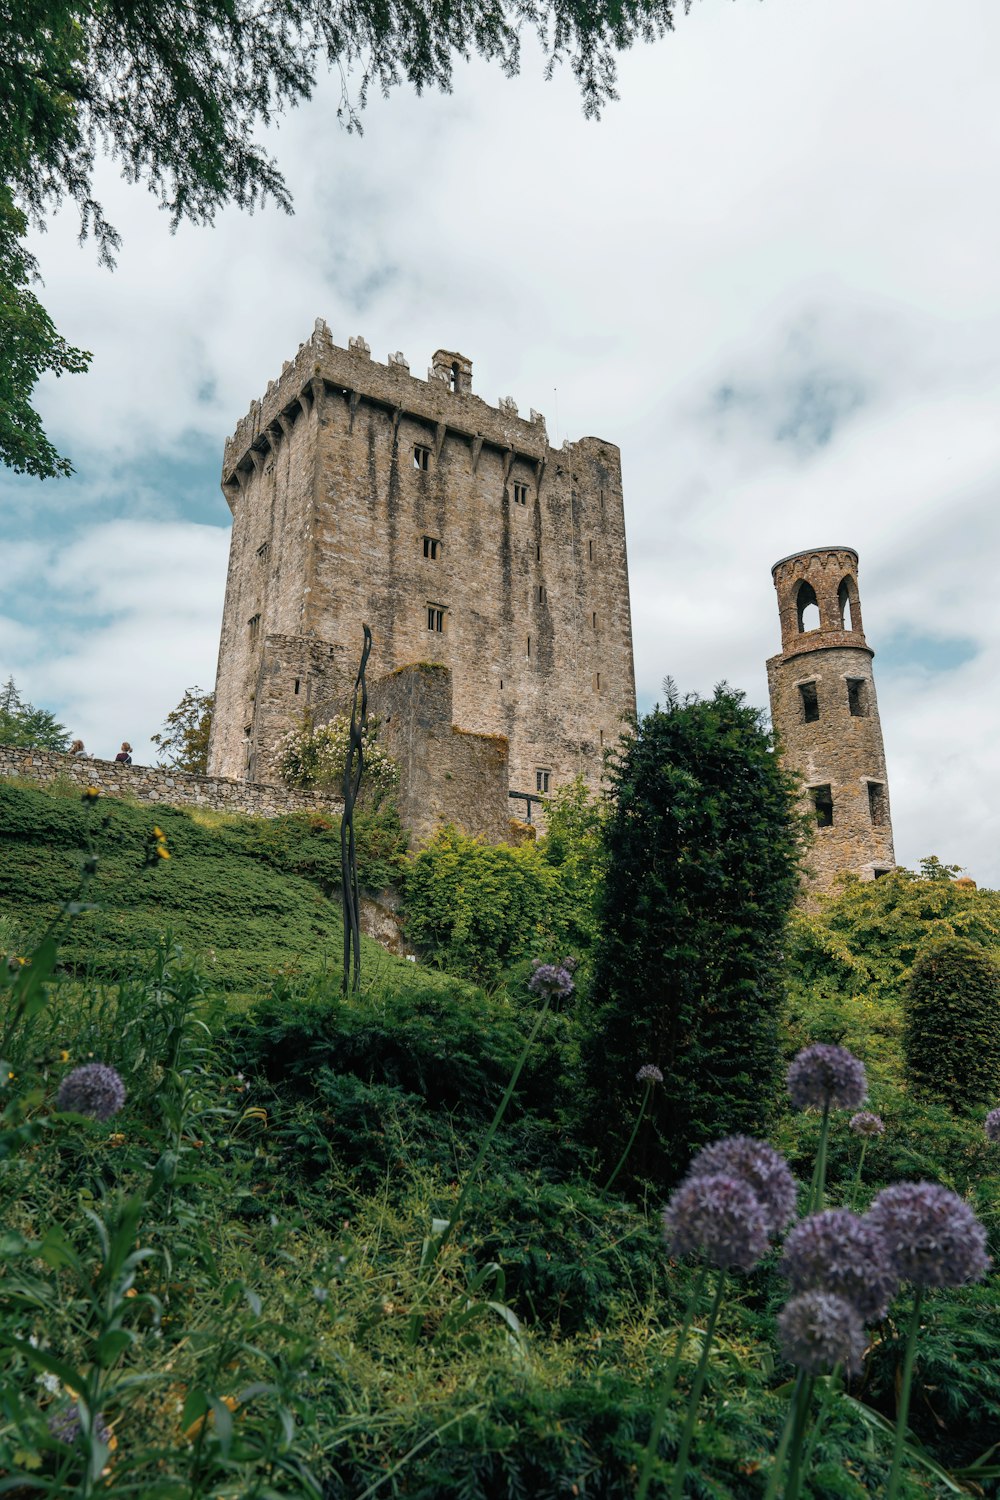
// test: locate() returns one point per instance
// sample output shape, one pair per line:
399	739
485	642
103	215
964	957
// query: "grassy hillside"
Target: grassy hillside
250	898
235	1269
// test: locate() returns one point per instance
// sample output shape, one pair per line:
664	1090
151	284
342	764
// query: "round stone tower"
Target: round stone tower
824	710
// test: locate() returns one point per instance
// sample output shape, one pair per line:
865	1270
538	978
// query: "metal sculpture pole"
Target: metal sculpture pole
353	767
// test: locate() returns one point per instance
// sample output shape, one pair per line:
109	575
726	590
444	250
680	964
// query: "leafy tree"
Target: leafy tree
23	724
176	91
951	1040
703	851
29	348
183	745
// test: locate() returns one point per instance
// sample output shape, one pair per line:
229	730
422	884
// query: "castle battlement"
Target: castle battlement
444	400
363	494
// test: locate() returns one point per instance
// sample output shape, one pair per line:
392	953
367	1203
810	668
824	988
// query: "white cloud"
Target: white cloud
791	201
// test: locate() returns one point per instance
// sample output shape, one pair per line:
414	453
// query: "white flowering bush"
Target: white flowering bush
315	757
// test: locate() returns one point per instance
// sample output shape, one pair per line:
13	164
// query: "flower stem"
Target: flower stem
829	1389
861	1163
786	1433
631	1140
903	1410
802	1404
668	1387
680	1466
818	1189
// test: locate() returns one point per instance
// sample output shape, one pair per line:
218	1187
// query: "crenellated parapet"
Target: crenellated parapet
445	400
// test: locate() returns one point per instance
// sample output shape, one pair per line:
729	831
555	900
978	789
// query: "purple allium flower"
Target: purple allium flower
570	964
94	1089
64	1425
993	1125
836	1251
764	1170
551	981
827	1077
866	1124
819	1330
932	1236
718	1218
649	1073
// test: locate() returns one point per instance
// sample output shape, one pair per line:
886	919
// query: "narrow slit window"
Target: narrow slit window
541	594
857	697
810	702
593	619
529	645
432	547
590	552
263	552
298	682
877	804
421	457
823	803
597	682
601	732
435	618
520	494
538	552
253	626
542	780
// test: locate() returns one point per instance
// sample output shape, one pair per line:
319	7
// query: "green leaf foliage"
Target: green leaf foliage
23	724
951	1042
176	93
183	744
864	938
252	896
701	874
476	908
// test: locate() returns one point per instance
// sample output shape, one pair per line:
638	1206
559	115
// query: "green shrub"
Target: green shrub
951	1042
451	1046
864	938
475	908
702	872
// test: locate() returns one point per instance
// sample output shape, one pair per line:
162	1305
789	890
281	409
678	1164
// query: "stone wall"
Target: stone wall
447	774
150	784
361	493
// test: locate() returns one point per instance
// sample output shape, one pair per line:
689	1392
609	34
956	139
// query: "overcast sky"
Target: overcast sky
769	274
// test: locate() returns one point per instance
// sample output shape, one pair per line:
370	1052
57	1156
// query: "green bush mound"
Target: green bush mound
477	909
951	1042
251	896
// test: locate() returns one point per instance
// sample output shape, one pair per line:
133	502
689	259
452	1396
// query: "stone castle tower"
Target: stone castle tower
824	710
490	567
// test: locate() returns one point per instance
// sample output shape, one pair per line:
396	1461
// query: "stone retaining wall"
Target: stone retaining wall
151	784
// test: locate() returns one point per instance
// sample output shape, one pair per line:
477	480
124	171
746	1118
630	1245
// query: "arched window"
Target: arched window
456	378
807	607
845	604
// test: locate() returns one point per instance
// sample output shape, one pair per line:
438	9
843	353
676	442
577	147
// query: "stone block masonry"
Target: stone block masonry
363	494
159	787
448	775
825	712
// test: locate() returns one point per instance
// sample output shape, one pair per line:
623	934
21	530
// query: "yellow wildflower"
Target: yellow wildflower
91	794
